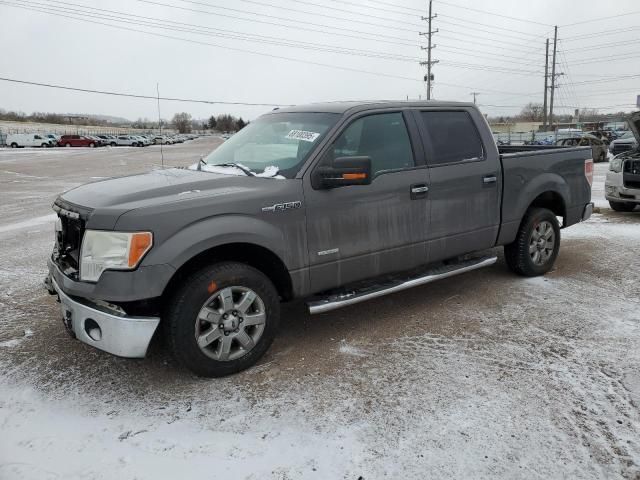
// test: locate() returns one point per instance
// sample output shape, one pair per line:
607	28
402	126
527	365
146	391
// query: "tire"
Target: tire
67	144
530	256
603	157
92	145
113	144
14	145
203	292
622	206
44	145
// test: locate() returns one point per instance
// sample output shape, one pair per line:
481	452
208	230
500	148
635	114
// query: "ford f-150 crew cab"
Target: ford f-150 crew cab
335	203
622	187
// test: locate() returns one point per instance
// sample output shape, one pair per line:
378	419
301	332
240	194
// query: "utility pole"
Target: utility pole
429	76
553	74
475	94
546	86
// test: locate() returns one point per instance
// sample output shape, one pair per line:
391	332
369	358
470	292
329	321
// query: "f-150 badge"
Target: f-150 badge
281	207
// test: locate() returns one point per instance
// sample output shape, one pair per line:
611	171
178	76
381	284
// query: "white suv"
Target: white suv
622	186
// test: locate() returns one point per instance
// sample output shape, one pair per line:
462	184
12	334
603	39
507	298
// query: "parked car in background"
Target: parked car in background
622	186
598	147
160	140
108	140
99	141
53	139
76	141
16	140
624	143
142	140
127	141
601	134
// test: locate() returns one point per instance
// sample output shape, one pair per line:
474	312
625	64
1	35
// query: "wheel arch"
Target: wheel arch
256	256
551	200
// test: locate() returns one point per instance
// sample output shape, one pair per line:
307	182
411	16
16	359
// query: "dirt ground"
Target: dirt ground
484	375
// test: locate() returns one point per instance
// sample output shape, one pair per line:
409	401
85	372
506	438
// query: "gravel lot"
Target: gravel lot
485	375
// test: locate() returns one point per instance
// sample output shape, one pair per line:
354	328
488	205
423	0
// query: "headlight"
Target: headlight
103	250
615	165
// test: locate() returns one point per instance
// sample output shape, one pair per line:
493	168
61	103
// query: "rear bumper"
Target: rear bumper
106	329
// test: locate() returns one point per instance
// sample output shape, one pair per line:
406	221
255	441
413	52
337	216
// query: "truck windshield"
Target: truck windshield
274	144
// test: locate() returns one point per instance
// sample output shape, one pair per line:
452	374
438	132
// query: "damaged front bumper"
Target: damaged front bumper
102	327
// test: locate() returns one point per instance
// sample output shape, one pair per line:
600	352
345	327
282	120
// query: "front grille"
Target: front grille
69	231
631	174
621	147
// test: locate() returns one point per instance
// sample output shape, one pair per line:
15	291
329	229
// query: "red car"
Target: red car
76	141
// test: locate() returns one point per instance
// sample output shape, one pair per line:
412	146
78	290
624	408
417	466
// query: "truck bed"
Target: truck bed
530	169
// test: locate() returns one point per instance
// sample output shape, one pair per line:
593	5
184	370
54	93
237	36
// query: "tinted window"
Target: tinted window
382	137
453	137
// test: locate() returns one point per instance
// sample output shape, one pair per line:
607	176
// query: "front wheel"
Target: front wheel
536	246
67	144
622	206
222	319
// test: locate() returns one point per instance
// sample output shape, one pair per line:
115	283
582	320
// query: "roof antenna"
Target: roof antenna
160	125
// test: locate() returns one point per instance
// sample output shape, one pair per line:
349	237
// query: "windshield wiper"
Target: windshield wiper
248	172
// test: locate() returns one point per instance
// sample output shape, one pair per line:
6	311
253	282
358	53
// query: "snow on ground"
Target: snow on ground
485	375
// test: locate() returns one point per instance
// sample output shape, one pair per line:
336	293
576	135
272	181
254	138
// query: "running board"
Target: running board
351	297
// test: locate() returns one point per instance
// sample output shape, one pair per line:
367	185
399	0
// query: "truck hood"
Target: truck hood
108	199
634	125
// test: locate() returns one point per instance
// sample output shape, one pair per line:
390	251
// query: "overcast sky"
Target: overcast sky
478	47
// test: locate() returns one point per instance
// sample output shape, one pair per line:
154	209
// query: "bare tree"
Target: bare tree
531	112
182	122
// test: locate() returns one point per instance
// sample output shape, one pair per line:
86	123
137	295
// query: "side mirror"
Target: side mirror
342	172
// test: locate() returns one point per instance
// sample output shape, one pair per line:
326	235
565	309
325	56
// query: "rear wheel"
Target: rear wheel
536	246
67	144
622	206
14	145
44	145
222	319
92	145
113	144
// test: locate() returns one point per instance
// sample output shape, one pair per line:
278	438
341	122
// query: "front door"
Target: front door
362	231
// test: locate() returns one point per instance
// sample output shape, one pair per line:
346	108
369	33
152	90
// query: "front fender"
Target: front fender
215	231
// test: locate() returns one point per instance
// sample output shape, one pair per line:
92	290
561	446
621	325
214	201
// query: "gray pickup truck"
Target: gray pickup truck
334	203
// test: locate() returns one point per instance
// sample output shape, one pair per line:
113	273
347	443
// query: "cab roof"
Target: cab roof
356	106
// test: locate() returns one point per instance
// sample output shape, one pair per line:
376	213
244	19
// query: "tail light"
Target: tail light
588	171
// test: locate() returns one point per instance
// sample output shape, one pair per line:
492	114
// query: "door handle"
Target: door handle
418	191
489	179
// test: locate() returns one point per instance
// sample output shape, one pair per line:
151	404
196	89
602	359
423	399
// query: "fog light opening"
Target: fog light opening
93	329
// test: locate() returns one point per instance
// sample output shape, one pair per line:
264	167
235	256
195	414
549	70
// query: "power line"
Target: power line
525	20
236	49
351	12
146	97
599	19
297	27
150	21
208	5
602	45
474	23
599	34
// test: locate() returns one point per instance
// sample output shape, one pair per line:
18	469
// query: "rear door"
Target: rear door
362	231
465	183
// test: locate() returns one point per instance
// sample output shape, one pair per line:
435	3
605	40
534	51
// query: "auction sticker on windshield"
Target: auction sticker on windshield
302	135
